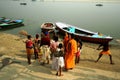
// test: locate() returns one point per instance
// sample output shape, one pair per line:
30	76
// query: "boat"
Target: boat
23	3
11	23
4	20
47	26
99	4
83	34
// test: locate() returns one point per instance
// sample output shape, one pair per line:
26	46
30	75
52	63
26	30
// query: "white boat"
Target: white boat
84	35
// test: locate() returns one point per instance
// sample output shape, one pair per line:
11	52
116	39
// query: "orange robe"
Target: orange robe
65	41
70	54
105	52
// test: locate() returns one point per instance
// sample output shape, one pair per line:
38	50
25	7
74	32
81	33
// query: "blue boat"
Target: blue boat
8	23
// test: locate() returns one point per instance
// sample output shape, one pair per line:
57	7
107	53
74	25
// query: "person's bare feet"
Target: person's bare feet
61	75
112	63
96	61
56	74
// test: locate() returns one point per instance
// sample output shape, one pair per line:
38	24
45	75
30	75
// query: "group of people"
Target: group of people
63	54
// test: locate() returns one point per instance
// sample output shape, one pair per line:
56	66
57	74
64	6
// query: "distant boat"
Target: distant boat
84	35
23	3
99	4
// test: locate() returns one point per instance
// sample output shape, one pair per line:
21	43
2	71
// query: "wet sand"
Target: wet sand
13	63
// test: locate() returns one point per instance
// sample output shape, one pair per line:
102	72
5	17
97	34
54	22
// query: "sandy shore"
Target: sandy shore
13	63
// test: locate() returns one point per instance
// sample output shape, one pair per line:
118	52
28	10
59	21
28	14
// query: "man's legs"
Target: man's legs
100	55
111	62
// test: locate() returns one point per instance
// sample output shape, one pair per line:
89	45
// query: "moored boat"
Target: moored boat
84	35
11	23
47	26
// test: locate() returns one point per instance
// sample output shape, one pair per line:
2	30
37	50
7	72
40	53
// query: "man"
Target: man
70	53
105	50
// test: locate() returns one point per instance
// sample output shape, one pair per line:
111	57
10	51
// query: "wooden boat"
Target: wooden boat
11	23
84	35
47	26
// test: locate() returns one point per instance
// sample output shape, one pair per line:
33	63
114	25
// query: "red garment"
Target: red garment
45	41
29	44
78	54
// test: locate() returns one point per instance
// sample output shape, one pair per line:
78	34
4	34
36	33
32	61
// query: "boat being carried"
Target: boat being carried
8	23
47	26
84	35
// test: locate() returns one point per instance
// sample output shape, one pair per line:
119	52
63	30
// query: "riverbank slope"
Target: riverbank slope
13	63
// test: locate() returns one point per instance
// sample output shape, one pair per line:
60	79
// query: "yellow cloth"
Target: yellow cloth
29	51
40	52
70	54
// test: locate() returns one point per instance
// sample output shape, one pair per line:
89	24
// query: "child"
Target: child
60	60
29	48
36	45
79	47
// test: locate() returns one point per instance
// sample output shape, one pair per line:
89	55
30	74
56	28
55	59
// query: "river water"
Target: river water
104	19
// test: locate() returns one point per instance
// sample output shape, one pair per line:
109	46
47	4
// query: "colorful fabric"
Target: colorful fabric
53	46
78	54
29	44
70	55
72	29
105	52
45	51
45	41
29	50
65	41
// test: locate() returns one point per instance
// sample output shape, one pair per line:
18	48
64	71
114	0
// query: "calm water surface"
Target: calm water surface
104	19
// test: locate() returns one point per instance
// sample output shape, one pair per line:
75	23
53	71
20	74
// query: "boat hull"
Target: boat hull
86	38
47	26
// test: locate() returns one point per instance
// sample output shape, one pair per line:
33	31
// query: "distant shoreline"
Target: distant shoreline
73	0
79	0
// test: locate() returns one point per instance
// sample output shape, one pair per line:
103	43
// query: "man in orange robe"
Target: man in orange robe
70	54
65	41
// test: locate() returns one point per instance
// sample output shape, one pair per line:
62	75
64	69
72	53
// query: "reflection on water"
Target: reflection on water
103	19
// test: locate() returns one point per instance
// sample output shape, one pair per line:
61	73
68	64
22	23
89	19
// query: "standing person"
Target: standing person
105	50
70	53
79	47
45	39
60	60
53	46
45	44
36	45
65	41
29	48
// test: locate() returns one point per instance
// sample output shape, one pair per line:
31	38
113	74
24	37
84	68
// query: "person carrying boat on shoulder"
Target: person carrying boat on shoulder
45	45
